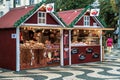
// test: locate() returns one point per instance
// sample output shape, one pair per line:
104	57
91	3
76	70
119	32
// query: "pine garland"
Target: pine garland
102	21
22	19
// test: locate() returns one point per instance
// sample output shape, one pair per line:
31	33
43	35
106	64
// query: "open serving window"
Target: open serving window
81	37
39	47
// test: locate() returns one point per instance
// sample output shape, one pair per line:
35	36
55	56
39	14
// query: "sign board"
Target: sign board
13	36
94	12
50	7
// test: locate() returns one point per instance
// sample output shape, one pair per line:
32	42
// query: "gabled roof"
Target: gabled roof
8	20
71	17
17	16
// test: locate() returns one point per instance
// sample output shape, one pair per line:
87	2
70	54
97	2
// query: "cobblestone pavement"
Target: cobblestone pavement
109	69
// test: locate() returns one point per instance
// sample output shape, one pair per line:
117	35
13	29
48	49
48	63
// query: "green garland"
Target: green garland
22	19
77	18
102	21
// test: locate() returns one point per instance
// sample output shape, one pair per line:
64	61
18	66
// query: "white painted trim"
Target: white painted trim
80	26
17	49
101	53
41	25
82	15
31	15
93	18
98	21
46	19
69	47
61	49
86	19
41	17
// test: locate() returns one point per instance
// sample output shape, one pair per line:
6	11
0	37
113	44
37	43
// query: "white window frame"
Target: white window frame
86	20
31	2
1	13
1	2
43	18
17	2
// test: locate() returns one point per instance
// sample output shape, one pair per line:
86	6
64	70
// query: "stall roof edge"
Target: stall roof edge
8	20
28	15
15	18
79	16
69	15
76	17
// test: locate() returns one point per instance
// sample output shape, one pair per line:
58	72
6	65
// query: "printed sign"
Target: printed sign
94	12
13	36
50	7
74	51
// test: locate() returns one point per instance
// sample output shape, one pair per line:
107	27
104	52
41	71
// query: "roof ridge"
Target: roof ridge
71	10
77	18
22	7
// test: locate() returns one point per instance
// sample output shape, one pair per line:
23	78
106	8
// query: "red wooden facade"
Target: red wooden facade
7	49
34	19
8	44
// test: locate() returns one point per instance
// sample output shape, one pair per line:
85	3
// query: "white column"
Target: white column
11	3
101	53
69	47
61	48
22	3
35	1
17	49
27	2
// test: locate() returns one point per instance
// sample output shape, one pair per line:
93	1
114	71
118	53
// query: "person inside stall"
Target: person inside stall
52	38
57	37
31	35
45	35
48	46
56	56
25	34
38	36
21	37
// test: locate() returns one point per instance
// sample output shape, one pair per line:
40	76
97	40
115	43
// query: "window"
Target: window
86	20
31	2
1	13
17	2
1	2
42	17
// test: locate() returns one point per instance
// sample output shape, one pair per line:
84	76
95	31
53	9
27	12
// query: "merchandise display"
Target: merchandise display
85	46
85	37
39	48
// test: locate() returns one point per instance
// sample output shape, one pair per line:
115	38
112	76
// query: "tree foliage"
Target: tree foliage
107	13
70	4
107	8
114	6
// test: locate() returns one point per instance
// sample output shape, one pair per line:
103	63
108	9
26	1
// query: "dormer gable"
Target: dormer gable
38	16
81	18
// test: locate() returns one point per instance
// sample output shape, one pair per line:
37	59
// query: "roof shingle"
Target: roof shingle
8	20
70	15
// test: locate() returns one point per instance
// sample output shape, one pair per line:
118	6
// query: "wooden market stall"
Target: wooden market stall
33	37
83	37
